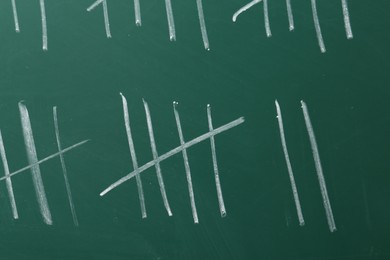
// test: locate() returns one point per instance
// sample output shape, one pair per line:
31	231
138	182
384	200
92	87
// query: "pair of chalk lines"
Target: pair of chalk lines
346	17
170	19
317	162
35	169
182	148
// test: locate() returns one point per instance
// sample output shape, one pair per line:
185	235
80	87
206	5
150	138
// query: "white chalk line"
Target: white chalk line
44	25
266	19
94	5
221	202
137	10
8	180
320	174
202	23
347	22
133	156
171	22
317	26
15	13
173	152
32	159
105	15
64	170
186	164
244	8
289	167
290	15
155	157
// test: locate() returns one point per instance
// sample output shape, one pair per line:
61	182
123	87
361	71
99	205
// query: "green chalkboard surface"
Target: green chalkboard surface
92	111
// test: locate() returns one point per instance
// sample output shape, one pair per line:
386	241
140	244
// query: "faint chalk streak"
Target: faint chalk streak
15	13
244	8
266	19
320	174
171	22
44	25
155	157
289	168
8	180
317	26
32	159
173	152
202	25
221	203
347	22
105	15
64	170
290	15
186	164
133	157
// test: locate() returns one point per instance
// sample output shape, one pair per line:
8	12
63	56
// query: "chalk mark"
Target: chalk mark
317	26
290	15
202	23
347	22
15	14
171	22
266	18
244	8
137	10
105	15
44	25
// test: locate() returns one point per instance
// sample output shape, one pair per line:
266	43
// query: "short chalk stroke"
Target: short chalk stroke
105	15
182	148
33	166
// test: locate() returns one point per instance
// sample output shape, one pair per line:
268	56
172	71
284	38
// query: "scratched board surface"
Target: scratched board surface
57	163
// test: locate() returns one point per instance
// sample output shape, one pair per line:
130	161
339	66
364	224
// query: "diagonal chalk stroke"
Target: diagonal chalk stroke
289	168
221	203
155	157
173	152
171	22
290	15
186	164
32	159
347	22
244	8
15	13
64	171
44	160
105	15
266	19
133	156
8	180
44	25
320	174
94	5
202	23
137	10
317	26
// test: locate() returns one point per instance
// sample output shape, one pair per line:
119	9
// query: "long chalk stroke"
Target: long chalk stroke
290	15
221	203
32	159
133	156
64	170
317	26
155	157
186	164
320	174
137	11
203	25
8	180
173	152
44	25
171	22
347	22
15	13
289	167
266	19
105	15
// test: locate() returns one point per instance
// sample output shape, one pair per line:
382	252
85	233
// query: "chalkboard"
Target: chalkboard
253	139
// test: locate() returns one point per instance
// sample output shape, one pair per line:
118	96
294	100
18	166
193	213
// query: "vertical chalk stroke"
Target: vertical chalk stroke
290	15
133	155
289	167
320	174
44	25
202	23
317	26
32	159
347	22
171	22
105	15
221	203
186	164
8	180
244	8
15	13
137	11
266	19
64	170
155	157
